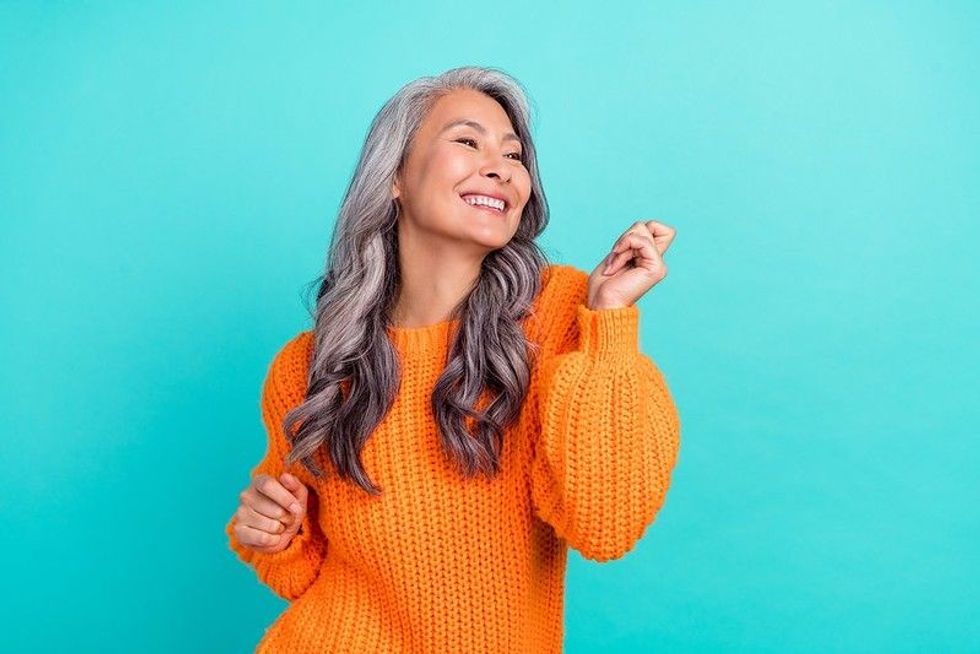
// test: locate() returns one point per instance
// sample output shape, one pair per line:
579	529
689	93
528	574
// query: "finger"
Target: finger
635	248
262	505
253	537
248	516
623	249
639	229
295	486
619	260
272	489
663	235
615	255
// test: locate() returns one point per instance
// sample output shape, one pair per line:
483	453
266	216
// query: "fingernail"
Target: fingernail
294	507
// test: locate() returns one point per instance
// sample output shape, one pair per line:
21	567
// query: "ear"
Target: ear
395	191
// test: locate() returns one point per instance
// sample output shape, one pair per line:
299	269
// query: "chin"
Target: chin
499	235
488	241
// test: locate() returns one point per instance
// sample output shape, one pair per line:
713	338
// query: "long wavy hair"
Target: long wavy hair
354	373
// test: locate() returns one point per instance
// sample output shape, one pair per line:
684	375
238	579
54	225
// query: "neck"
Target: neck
431	286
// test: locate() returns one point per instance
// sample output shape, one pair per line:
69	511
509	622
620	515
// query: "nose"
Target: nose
497	167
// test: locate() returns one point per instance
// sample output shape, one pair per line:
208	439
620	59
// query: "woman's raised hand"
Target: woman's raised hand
270	512
633	267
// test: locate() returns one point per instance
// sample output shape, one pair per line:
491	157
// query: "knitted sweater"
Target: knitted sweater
441	563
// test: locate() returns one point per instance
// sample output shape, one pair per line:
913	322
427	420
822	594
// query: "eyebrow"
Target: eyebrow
509	136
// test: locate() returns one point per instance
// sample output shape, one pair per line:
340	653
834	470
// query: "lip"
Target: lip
495	196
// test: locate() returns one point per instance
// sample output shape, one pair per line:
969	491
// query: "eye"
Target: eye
518	155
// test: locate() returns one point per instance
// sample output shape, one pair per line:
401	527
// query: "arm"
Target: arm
610	435
291	571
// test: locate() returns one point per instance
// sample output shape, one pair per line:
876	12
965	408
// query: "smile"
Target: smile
484	204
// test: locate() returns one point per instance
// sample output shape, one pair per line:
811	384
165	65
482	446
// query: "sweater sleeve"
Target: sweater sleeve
291	571
610	435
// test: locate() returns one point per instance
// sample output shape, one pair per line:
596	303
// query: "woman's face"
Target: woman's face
446	163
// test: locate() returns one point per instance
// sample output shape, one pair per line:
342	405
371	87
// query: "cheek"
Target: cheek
437	205
524	183
450	165
437	169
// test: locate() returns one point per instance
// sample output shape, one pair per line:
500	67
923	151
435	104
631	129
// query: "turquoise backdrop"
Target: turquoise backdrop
169	175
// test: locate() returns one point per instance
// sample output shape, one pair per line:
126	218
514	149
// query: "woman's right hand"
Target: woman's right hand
270	512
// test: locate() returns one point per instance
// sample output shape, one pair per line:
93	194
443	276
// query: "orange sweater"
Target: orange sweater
439	563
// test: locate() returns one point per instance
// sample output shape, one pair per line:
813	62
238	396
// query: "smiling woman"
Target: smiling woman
466	150
505	417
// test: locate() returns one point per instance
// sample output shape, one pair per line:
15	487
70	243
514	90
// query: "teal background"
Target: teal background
169	175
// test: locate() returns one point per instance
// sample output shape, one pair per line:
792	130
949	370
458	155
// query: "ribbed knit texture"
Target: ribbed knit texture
443	564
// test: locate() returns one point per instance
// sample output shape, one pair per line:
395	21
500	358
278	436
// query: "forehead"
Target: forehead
466	104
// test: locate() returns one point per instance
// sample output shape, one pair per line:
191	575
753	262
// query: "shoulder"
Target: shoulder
563	289
289	369
563	285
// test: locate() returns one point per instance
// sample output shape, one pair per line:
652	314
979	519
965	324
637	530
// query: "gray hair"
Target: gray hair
354	374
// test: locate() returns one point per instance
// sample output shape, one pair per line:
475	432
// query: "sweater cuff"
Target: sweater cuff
292	551
609	331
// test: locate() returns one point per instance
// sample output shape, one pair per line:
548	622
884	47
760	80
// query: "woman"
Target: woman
461	412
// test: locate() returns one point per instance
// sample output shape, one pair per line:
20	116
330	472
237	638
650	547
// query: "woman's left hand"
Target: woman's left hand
634	265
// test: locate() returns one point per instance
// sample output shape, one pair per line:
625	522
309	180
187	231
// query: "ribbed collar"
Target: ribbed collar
427	338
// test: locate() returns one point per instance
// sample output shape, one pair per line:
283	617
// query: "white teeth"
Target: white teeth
484	200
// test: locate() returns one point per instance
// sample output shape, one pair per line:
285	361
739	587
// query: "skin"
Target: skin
633	266
442	244
270	512
443	240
